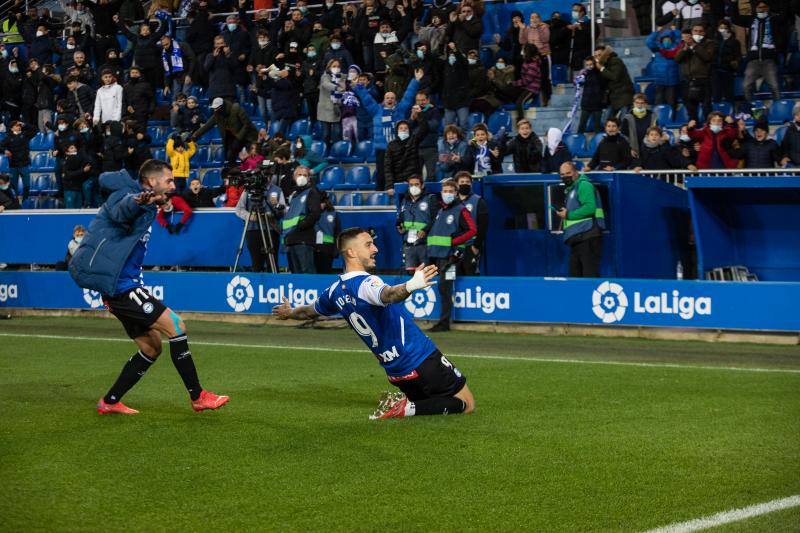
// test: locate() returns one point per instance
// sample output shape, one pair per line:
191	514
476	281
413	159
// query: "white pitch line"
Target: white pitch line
465	356
733	515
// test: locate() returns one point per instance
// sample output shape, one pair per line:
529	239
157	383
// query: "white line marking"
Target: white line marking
465	356
733	515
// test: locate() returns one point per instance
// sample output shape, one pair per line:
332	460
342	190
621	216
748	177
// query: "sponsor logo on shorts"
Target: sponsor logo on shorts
147	308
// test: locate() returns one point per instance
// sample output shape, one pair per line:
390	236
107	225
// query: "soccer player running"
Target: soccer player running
109	260
430	384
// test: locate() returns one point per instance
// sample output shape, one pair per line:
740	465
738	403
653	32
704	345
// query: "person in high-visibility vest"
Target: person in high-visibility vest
299	222
452	228
584	222
328	228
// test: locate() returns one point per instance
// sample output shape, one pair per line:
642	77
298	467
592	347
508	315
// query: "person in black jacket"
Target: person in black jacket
115	151
200	34
103	12
80	98
468	266
8	196
112	63
262	55
198	196
758	150
456	88
594	97
15	146
465	29
425	115
77	168
726	63
221	66
137	96
178	62
613	152
137	145
402	156
146	51
11	85
656	153
526	148
300	239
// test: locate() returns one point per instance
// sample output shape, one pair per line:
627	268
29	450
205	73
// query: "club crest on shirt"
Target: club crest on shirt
450	219
423	206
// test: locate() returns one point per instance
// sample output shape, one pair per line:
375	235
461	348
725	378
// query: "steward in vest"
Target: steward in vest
584	222
327	230
10	30
299	222
414	221
452	228
468	266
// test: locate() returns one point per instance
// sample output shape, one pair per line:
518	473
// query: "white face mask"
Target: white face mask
402	135
62	127
762	15
697	38
725	33
469	17
79	239
72	153
351	76
39	33
451	60
472	61
301	180
639	109
414	190
500	66
716	128
335	71
70	47
448	197
576	15
84	130
420	54
263	42
336	46
685	138
232	27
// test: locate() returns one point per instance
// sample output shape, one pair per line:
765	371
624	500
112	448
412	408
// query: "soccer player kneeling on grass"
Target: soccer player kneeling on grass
430	384
109	260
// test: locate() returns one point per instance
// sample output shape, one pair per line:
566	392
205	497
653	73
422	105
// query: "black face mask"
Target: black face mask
567	180
464	190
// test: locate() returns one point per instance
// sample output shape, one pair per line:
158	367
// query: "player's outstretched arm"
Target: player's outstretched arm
285	311
421	280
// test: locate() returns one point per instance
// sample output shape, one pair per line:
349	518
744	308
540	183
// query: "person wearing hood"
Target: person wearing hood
113	63
696	58
556	152
414	221
615	73
613	152
657	153
109	99
138	96
115	149
636	122
525	148
759	150
713	137
473	248
385	117
298	233
402	155
665	44
109	261
453	226
583	223
235	127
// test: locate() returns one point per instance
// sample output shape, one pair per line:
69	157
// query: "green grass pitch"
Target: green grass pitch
673	433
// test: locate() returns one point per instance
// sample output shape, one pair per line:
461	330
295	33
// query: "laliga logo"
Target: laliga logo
8	292
92	299
609	302
240	294
420	304
487	302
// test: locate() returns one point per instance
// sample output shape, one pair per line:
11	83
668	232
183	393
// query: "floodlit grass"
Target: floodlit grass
553	446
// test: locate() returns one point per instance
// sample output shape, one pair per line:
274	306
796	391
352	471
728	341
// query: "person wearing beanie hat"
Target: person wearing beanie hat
758	150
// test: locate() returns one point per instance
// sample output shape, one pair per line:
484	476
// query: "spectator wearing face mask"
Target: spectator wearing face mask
758	150
712	138
790	145
8	196
657	153
473	248
414	221
726	64
327	230
618	80
556	152
109	99
525	148
114	149
299	222
456	88
166	214
430	64
64	136
766	41
499	88
147	52
337	52
196	195
304	155
285	92
665	44
464	29
402	156
688	148
613	152
349	106
78	232
137	96
331	87
112	63
484	154
594	96
11	84
696	57
636	122
452	149
15	147
77	171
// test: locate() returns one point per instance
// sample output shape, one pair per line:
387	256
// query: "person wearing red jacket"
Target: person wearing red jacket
166	213
715	139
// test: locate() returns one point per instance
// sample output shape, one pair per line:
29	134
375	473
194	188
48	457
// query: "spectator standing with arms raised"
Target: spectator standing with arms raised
537	33
696	58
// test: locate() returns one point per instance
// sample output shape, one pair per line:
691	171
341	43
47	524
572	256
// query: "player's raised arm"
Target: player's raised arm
421	280
285	311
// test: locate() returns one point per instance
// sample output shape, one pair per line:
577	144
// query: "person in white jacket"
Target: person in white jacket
108	101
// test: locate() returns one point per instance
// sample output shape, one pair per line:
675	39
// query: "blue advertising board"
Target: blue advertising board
629	302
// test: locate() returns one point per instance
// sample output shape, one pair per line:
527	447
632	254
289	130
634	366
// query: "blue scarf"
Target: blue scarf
176	56
766	36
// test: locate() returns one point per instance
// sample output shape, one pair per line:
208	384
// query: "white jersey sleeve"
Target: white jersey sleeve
371	289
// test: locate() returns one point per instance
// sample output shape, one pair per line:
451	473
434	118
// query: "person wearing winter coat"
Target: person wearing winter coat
594	96
452	150
574	37
530	81
221	67
178	61
790	145
45	104
636	122
538	35
11	85
198	196
656	153
146	49
726	64
402	156
114	150
465	29
556	152
80	98
665	44
286	87
15	148
696	58
331	87
613	152
615	73
525	148
305	156
456	88
137	96
76	172
713	137
108	101
112	63
180	154
483	155
500	88
758	150
235	127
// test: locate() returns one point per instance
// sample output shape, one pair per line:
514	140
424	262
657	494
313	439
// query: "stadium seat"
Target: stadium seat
28	203
576	142
650	92
780	133
216	156
42	162
299	127
559	74
723	107
201	156
44	202
41	141
591	146
350	199
3	163
212	136
212	178
339	151
670	135
487	57
663	114
251	109
508	167
316	131
319	148
331	177
680	117
378	198
364	152
259	124
161	153
156	134
359	177
274	127
780	111
475	118
193	173
499	119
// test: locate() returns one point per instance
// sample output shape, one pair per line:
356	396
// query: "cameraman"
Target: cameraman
260	196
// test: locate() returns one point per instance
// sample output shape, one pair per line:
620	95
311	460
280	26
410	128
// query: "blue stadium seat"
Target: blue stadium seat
274	127
340	151
44	202
156	136
216	156
475	118
364	152
591	146
3	163
28	203
331	177
723	107
41	141
316	131
663	114
559	74
359	177
780	133
350	199
201	156
680	117
161	153
42	162
212	178
487	57
650	92
251	109
259	124
299	127
670	135
780	111
319	148
212	136
378	198
39	184
193	173
499	119
576	142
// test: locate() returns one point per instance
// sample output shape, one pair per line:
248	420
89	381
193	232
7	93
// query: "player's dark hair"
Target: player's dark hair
348	235
153	167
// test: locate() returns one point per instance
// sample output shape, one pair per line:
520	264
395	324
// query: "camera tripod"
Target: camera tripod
257	209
